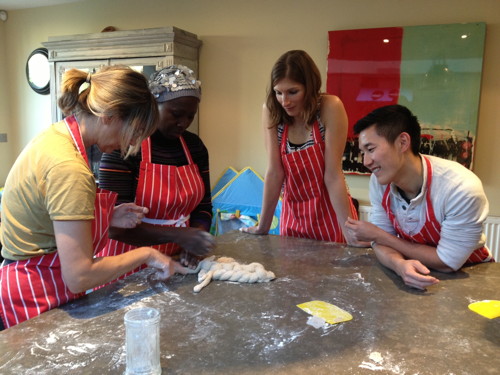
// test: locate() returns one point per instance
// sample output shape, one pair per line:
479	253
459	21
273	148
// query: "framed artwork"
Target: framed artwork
433	70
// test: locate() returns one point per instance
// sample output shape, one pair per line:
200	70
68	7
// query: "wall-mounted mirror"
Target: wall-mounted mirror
38	72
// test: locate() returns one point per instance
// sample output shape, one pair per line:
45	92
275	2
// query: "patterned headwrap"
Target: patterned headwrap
174	82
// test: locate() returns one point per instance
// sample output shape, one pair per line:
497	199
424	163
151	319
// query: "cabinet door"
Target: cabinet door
61	68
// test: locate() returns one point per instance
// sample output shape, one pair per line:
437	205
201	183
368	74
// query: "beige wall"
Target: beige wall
5	149
241	41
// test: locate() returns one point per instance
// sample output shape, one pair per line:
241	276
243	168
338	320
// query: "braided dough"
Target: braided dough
228	269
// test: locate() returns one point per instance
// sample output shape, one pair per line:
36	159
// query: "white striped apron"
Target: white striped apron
170	193
430	233
307	210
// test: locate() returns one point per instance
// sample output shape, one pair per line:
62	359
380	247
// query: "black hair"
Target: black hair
390	121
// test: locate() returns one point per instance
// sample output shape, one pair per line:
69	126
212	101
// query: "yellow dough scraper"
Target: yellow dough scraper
326	311
487	308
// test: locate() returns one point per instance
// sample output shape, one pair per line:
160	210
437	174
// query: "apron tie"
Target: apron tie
180	222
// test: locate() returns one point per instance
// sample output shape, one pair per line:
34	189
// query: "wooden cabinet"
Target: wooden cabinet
146	50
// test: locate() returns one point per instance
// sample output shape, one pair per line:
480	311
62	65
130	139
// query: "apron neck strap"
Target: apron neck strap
316	132
186	150
146	150
284	138
74	131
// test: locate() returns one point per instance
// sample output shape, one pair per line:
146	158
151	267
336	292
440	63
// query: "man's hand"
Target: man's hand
415	274
351	239
358	231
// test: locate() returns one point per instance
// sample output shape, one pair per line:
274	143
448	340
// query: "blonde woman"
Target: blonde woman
54	218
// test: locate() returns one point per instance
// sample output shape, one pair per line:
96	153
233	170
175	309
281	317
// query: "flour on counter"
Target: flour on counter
316	322
377	362
358	277
279	341
376	357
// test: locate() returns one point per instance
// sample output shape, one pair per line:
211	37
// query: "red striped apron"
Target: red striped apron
33	286
170	193
307	210
430	232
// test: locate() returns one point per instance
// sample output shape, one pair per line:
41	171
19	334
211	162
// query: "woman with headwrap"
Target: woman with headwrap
169	177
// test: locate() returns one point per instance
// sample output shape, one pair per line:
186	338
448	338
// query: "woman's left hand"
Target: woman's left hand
164	265
128	215
189	260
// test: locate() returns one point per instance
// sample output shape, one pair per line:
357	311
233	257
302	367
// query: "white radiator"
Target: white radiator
364	213
491	229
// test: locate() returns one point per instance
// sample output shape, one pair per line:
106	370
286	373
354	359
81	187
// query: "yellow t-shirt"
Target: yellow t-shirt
49	181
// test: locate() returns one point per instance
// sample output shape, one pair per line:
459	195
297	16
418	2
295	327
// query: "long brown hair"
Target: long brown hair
297	66
114	91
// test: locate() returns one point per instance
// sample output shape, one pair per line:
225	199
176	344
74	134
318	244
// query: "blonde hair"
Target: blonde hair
113	91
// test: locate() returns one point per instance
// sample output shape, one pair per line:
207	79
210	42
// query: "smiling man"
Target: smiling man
427	212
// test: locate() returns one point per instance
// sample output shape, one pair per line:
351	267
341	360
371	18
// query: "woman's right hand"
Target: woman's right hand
164	265
254	230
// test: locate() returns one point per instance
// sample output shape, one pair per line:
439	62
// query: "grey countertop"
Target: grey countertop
231	328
